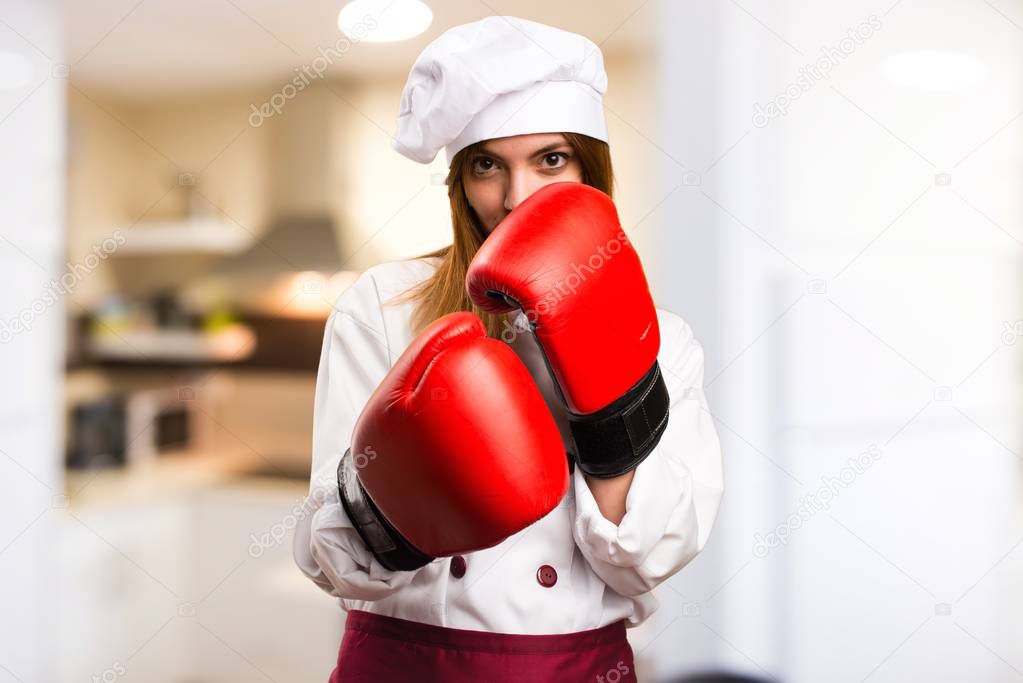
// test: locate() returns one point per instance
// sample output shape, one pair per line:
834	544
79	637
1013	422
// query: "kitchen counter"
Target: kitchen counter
183	572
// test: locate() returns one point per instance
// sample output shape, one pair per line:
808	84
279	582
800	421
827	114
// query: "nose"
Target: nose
521	184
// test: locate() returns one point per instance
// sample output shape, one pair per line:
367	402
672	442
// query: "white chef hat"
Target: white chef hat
497	77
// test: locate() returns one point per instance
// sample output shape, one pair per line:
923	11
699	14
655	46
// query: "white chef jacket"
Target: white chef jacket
604	572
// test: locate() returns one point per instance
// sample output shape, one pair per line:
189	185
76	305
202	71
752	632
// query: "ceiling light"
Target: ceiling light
383	21
933	70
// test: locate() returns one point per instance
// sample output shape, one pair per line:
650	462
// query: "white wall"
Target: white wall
847	300
31	331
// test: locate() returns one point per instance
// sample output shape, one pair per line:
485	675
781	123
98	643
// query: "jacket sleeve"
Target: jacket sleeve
354	359
675	492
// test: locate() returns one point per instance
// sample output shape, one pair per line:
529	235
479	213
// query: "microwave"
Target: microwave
161	420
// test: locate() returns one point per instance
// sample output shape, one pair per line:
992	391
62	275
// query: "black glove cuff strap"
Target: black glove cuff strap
618	438
383	540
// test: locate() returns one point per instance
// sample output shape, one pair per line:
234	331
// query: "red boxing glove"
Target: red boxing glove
454	451
562	257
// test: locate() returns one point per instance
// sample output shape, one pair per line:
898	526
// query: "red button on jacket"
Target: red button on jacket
546	576
458	566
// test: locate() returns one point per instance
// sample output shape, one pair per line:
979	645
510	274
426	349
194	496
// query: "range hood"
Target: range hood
291	244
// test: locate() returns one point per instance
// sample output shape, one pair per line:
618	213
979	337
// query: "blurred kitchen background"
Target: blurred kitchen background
828	192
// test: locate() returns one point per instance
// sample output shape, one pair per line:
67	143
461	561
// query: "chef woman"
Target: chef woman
516	106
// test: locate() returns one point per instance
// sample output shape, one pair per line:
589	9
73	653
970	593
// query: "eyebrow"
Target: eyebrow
542	150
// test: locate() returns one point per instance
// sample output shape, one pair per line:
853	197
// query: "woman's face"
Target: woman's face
510	169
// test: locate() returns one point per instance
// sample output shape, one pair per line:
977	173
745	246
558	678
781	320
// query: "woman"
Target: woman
517	106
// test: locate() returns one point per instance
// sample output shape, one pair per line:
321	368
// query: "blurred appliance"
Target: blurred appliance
159	420
97	434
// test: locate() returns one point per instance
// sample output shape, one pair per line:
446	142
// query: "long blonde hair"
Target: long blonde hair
444	292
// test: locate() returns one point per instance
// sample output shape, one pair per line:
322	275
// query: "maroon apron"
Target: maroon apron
389	650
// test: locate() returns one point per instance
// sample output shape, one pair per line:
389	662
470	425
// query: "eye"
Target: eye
482	165
555	160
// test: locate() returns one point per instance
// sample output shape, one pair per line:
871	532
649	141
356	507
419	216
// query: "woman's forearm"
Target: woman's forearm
610	494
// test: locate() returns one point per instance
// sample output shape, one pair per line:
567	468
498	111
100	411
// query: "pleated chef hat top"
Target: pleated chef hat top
497	77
